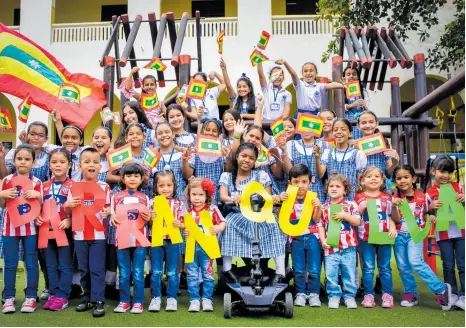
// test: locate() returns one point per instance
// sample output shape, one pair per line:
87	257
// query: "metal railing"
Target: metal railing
301	25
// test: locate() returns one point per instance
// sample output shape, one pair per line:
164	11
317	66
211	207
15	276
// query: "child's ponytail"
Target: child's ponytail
457	169
427	176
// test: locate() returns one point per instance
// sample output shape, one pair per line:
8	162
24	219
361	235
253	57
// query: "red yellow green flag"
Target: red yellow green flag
275	75
372	144
24	109
263	40
277	127
257	57
309	124
220	41
107	115
6	123
68	93
119	156
196	89
353	90
263	157
149	101
209	146
156	64
182	94
151	157
331	141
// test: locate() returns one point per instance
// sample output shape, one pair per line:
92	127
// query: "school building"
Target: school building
76	32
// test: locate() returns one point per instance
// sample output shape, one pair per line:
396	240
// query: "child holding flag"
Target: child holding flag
23	159
355	104
101	140
148	83
229	120
328	116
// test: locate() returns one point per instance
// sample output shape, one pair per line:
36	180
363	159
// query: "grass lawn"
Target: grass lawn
427	313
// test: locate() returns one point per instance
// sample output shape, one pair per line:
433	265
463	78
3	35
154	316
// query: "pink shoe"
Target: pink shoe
387	301
368	301
49	302
59	304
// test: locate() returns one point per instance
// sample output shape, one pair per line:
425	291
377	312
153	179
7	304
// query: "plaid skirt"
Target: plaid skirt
239	234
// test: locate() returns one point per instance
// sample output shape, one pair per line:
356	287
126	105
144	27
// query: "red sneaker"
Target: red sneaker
29	305
49	302
122	307
9	306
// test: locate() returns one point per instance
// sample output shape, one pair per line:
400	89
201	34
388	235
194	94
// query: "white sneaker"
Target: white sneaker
122	307
29	305
154	305
300	299
333	302
172	305
137	308
351	303
314	300
454	298
9	306
195	306
45	295
207	305
460	302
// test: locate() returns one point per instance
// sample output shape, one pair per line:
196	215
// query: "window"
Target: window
301	7
208	8
16	16
110	10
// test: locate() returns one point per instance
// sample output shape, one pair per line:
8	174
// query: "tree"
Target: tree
406	16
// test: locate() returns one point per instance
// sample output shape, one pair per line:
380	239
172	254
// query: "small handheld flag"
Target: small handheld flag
353	90
263	40
151	157
119	156
149	101
277	127
181	97
6	123
196	89
209	146
274	76
107	115
372	144
257	57
24	109
331	141
220	41
263	157
68	93
156	64
309	124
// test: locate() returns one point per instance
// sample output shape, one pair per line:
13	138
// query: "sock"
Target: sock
280	264
148	266
110	278
227	263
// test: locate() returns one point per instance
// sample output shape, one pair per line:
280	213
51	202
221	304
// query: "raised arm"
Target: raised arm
260	72
214	75
129	82
56	117
290	70
226	78
4	170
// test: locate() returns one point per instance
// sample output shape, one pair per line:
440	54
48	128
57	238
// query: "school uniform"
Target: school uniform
208	167
40	169
173	161
353	113
275	100
244	107
209	103
185	139
309	97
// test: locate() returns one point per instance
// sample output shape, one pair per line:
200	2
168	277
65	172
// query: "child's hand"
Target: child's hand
212	75
283	196
236	199
146	216
351	142
55	115
324	244
397	201
240	127
393	154
2	150
282	143
316	203
23	137
200	113
215	229
39	221
276	199
280	62
186	233
105	212
433	219
178	224
65	224
113	220
393	233
460	198
134	70
362	206
435	204
187	153
223	65
260	100
73	202
226	151
32	194
317	151
339	216
184	105
9	193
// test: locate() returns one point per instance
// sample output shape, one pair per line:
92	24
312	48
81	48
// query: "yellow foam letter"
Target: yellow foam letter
287	208
266	214
163	223
205	239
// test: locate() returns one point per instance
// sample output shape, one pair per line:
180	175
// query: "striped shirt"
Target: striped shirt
418	206
178	210
384	210
58	190
296	215
217	217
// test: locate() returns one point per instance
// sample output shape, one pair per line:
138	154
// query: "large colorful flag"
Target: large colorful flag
118	157
309	124
107	115
263	40
69	94
220	41
24	109
277	127
372	144
156	64
263	157
257	57
150	101
209	146
6	123
196	89
151	157
26	68
353	90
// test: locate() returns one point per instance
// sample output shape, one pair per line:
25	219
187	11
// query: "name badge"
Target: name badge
275	107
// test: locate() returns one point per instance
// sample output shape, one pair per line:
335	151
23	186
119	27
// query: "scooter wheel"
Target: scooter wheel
227	306
289	305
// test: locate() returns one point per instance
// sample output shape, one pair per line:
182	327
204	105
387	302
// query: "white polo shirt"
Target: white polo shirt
309	96
274	101
209	103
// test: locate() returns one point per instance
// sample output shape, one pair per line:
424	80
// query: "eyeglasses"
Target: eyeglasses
37	135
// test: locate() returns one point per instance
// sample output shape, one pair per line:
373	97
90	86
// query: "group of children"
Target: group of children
339	174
